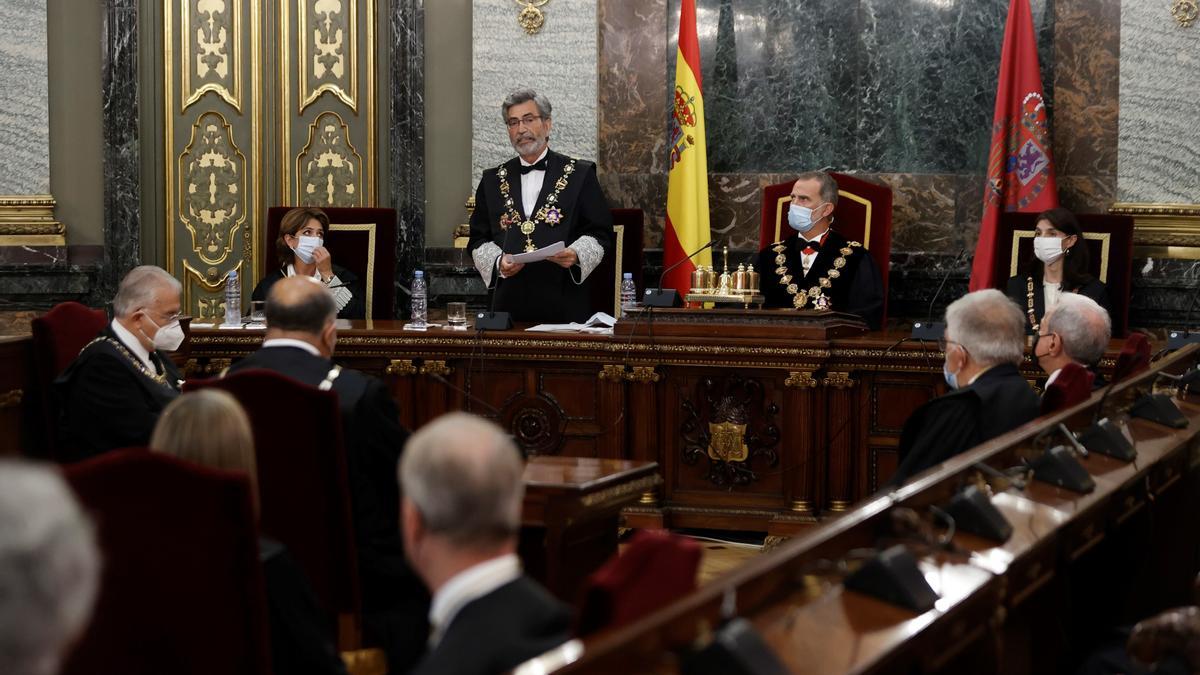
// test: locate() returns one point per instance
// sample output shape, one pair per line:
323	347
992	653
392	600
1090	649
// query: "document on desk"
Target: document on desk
599	324
540	254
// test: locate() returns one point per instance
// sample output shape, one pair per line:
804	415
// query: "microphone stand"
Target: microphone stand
929	329
1178	339
491	319
658	297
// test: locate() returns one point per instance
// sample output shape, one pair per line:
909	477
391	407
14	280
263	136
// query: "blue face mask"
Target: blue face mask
951	378
800	218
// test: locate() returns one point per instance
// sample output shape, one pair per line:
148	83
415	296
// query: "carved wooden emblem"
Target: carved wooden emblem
728	442
730	426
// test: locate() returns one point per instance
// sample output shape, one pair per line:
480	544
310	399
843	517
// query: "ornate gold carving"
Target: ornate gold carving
531	18
612	373
28	220
204	294
212	188
838	380
838	505
643	374
649	498
332	66
727	442
327	169
213	44
401	367
800	378
11	398
801	506
216	366
436	368
1163	230
618	493
1185	12
772	542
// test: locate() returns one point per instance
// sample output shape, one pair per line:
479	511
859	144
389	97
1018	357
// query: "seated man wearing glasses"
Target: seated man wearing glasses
532	201
112	393
984	344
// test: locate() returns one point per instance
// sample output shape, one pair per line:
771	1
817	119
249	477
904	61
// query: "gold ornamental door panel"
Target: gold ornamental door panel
265	103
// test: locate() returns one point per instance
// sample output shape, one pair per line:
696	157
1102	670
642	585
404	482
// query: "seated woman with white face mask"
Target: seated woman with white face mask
300	249
1060	264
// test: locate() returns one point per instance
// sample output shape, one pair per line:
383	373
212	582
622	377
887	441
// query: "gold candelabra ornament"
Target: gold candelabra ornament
1185	12
531	17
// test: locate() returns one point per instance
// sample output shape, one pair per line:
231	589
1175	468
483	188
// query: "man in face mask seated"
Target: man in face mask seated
1076	330
817	268
112	393
984	343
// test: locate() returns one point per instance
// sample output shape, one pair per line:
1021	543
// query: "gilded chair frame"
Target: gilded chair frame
841	194
369	282
1105	239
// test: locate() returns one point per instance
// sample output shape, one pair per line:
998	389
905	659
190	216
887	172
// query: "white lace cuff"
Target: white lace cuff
341	296
590	253
485	256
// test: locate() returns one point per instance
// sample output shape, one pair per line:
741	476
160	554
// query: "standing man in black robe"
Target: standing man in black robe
817	268
532	201
984	345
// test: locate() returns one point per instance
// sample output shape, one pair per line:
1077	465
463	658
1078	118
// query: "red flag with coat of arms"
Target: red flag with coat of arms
1020	171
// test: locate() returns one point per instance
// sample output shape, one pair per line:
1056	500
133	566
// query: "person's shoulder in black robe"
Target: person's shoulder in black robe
1007	398
499	631
355	309
856	289
301	632
107	400
938	430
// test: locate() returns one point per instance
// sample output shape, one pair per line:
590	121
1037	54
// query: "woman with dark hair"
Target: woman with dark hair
300	248
1060	264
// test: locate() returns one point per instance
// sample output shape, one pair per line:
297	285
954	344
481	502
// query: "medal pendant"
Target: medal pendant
530	247
527	228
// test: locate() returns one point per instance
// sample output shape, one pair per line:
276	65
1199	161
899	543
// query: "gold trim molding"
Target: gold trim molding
1163	230
28	220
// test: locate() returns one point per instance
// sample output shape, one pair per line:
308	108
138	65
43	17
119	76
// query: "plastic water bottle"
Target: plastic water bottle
628	292
233	300
419	315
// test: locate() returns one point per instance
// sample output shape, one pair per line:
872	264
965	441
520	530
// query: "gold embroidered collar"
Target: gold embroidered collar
135	361
1029	304
550	213
816	294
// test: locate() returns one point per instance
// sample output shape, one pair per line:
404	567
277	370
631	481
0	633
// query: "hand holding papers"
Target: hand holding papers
539	254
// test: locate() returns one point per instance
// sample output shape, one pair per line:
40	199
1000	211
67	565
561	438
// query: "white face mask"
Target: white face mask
169	337
304	250
1047	249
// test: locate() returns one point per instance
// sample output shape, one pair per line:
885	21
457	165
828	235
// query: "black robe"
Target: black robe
499	631
301	632
1018	291
543	291
998	401
106	400
857	290
355	309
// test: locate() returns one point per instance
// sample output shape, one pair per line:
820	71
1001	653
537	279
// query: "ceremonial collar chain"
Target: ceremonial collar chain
550	213
1029	304
816	294
137	363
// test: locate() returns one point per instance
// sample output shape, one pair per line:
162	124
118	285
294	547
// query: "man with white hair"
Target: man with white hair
49	569
984	344
462	480
1076	330
112	393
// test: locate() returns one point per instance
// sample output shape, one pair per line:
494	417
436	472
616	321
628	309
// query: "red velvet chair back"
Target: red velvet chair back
1133	358
1110	248
863	214
361	240
302	486
182	587
626	256
58	337
655	569
1072	387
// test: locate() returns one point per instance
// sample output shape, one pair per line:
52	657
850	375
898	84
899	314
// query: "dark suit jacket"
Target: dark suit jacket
374	439
106	401
501	630
301	633
355	309
857	290
543	291
1018	290
997	402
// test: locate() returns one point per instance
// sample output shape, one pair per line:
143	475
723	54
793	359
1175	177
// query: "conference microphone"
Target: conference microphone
657	297
491	319
930	329
1178	339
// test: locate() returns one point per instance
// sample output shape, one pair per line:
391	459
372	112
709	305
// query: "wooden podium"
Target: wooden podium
743	324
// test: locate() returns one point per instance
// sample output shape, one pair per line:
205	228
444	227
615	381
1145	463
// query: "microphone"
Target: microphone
1178	339
491	319
930	329
657	297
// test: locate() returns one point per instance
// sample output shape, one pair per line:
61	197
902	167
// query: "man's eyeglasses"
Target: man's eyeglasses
513	122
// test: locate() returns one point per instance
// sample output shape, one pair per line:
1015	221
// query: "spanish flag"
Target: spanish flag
687	182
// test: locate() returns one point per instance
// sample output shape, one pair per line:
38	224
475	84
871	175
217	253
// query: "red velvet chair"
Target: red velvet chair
655	569
361	240
1110	248
1134	357
863	213
303	491
58	337
1072	387
626	256
182	587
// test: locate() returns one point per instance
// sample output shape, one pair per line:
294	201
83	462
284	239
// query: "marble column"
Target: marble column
408	140
559	61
